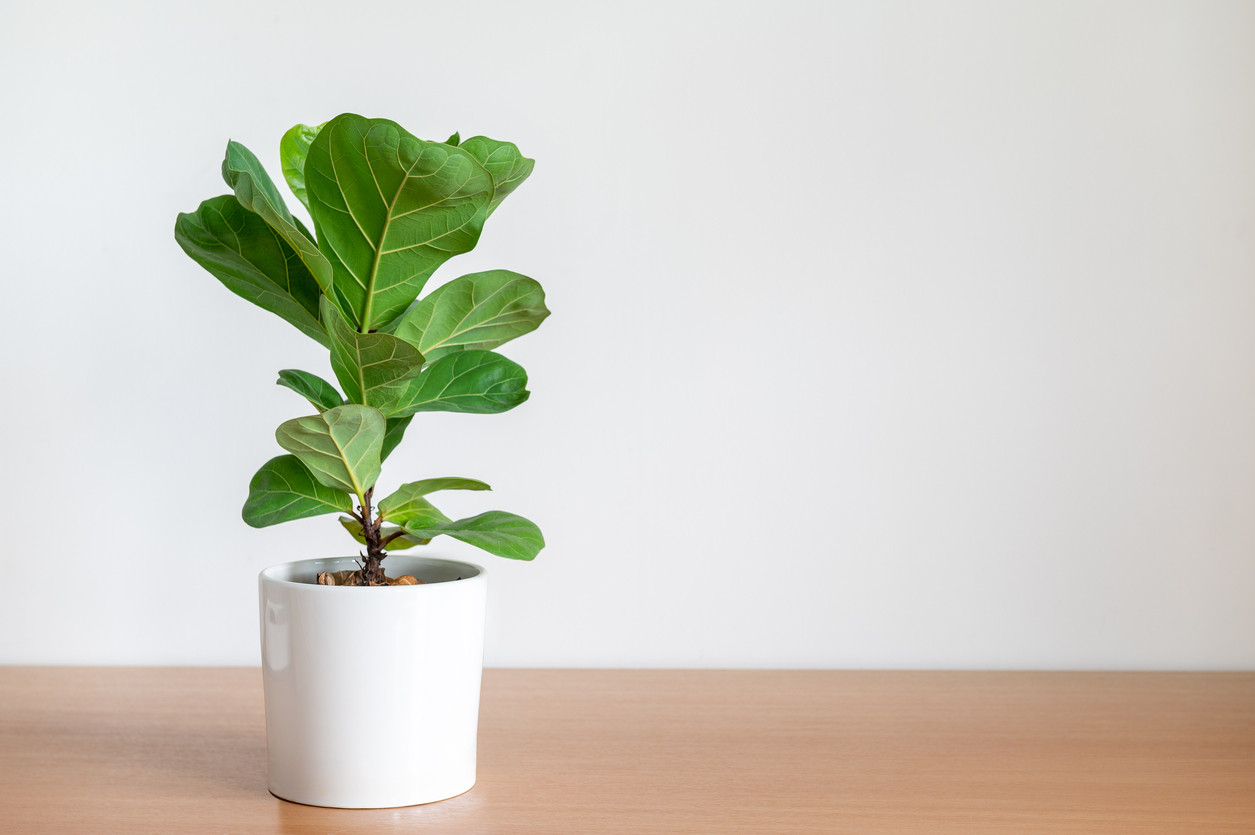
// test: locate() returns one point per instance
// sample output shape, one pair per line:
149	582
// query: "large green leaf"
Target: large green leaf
479	382
293	149
406	503
284	489
389	209
257	193
320	394
243	252
497	532
502	160
340	446
475	312
373	368
394	431
402	542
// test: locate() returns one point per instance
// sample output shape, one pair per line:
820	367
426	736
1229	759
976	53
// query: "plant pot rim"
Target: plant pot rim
477	573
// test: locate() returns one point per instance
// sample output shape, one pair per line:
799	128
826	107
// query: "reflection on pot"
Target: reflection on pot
275	640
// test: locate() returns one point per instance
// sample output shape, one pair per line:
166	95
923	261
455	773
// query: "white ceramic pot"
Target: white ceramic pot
372	694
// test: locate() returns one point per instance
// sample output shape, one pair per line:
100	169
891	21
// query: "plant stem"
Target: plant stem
372	573
384	542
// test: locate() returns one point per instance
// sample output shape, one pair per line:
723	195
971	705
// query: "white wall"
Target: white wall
884	334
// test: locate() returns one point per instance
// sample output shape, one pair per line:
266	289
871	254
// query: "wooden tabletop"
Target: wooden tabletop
182	750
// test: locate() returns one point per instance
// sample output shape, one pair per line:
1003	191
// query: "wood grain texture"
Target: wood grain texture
182	750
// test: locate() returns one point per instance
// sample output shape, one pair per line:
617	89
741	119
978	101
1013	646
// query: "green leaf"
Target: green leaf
320	394
293	149
497	532
257	193
478	382
284	489
502	160
407	503
340	446
389	209
243	252
453	140
414	510
394	431
402	542
475	312
373	368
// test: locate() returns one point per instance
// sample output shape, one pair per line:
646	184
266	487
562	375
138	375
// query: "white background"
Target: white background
883	334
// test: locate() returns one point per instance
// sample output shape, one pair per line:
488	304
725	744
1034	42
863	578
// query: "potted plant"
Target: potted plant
371	681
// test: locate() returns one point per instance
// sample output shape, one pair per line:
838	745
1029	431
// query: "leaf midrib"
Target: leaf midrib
279	291
297	495
383	235
357	487
458	330
378	248
283	215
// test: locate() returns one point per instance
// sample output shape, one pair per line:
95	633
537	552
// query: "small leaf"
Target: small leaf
453	140
394	431
372	367
257	193
478	382
320	394
407	503
340	446
402	542
292	151
248	256
415	510
503	162
474	312
389	209
284	489
497	532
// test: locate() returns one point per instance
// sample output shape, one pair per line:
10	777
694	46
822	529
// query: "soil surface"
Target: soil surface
354	578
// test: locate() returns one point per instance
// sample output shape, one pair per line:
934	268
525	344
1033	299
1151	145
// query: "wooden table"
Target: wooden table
182	750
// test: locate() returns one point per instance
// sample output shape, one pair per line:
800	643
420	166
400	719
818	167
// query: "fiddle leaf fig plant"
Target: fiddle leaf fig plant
388	209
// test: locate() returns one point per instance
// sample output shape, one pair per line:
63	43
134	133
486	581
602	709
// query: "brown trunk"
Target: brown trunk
372	571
